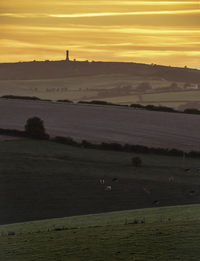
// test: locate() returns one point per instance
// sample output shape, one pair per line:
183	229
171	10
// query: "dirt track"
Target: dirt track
110	124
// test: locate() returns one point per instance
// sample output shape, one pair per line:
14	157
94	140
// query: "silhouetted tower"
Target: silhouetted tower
67	56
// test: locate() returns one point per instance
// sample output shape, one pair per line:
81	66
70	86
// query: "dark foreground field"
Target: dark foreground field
106	123
162	234
40	180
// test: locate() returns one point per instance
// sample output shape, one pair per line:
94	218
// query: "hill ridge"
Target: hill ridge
63	69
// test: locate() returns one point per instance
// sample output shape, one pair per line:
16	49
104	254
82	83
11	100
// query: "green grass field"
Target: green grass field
41	180
56	188
163	234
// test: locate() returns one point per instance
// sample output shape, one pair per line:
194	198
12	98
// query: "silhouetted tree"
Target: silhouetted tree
34	128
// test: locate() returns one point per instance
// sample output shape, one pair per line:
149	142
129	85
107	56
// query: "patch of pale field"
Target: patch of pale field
123	99
173	96
151	215
171	99
106	123
174	105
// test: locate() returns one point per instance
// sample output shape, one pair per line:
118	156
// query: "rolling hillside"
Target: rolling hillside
163	233
114	82
106	123
41	180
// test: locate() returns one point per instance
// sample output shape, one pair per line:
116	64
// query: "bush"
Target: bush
136	162
192	111
11	132
65	140
137	106
111	146
68	101
20	97
34	128
159	108
96	102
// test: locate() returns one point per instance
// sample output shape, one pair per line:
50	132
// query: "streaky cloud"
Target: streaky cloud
22	15
131	3
87	15
140	53
108	29
167	12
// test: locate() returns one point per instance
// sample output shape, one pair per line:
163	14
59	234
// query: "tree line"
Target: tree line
34	129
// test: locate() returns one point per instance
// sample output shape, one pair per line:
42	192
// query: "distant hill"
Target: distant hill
62	69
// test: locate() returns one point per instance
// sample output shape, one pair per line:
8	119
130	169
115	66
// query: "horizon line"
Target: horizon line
93	61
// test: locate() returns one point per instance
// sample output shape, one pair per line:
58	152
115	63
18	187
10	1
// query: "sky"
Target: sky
160	32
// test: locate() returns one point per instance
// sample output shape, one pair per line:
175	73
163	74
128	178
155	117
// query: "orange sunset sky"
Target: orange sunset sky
162	32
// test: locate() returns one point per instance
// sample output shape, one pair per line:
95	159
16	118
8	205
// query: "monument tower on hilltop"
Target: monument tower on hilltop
67	55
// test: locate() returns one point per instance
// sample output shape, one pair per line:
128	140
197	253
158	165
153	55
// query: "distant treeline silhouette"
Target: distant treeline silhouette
17	97
68	101
140	149
99	102
20	133
20	97
12	132
154	108
144	107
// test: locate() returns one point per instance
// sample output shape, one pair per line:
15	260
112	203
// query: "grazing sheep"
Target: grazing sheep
192	192
156	202
187	170
102	181
108	188
171	179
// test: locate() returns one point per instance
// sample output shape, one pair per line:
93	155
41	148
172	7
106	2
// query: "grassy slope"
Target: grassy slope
40	180
171	233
